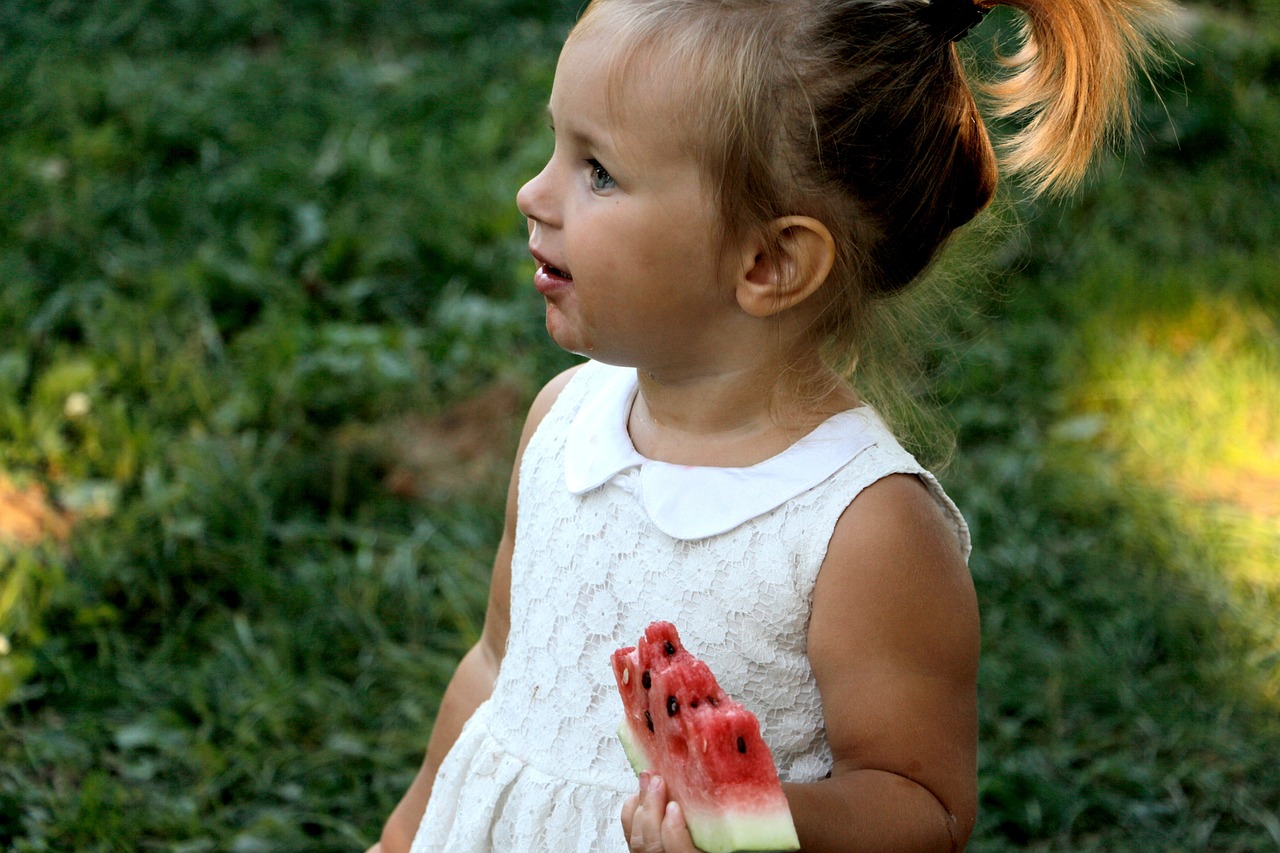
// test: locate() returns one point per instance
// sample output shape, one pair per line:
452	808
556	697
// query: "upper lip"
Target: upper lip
542	259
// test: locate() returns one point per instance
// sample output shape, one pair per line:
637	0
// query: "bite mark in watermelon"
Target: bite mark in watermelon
679	724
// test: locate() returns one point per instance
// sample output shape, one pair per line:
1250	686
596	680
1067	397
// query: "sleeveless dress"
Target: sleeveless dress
607	542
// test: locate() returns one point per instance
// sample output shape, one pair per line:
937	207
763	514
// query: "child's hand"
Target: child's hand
654	824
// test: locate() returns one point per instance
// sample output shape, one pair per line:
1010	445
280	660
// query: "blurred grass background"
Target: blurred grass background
266	332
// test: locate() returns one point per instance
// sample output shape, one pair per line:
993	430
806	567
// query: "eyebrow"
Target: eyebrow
582	137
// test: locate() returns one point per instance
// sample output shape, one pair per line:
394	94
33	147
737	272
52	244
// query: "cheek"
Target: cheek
612	244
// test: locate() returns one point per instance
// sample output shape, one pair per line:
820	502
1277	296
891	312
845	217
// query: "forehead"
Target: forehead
609	85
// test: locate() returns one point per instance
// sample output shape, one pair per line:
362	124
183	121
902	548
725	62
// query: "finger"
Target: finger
629	813
632	804
646	828
675	832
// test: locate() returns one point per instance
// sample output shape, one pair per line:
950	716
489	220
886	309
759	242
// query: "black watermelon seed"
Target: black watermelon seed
670	649
742	746
712	701
693	704
672	706
646	680
648	721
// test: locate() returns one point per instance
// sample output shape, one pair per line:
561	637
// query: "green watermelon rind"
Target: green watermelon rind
635	754
727	832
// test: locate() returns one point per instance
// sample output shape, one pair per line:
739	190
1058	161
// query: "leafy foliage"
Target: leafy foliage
242	238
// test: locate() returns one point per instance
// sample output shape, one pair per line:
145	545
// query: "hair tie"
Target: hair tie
952	19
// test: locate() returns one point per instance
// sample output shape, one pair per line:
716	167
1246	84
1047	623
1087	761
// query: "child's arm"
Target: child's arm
893	640
472	682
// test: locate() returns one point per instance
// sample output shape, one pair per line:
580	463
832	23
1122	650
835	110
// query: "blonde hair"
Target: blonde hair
860	114
1072	81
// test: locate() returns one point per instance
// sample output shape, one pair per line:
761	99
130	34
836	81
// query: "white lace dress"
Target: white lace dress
606	542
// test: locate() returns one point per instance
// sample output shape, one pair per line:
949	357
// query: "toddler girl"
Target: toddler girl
733	183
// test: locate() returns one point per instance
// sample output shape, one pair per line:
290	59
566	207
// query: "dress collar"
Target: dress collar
694	502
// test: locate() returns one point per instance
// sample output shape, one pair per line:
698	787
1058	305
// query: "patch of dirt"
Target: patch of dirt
469	446
28	517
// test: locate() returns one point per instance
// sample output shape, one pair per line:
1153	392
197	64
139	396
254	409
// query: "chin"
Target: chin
563	336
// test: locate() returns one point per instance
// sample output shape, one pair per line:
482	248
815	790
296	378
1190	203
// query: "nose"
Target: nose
535	199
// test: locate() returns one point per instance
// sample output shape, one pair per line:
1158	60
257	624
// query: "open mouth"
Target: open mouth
556	272
549	278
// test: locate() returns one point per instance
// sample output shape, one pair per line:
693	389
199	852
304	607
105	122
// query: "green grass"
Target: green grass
1119	462
243	241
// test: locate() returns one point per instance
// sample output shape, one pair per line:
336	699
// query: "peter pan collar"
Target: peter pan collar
693	502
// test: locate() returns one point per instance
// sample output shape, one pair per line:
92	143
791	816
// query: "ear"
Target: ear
785	265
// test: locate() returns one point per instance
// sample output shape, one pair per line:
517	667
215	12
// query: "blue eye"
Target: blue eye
600	177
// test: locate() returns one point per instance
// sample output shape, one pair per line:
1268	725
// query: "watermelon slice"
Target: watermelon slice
679	724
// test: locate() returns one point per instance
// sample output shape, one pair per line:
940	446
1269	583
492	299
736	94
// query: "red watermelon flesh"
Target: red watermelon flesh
679	724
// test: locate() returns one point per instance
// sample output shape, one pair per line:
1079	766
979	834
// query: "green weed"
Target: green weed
242	238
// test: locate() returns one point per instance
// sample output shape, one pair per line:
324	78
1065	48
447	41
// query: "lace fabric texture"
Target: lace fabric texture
539	765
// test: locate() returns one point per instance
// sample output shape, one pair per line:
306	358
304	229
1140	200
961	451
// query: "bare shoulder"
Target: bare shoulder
538	410
498	617
546	399
895	577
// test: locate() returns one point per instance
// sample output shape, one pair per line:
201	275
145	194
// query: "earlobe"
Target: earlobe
786	266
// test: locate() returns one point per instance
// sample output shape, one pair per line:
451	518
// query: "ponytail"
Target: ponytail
1071	83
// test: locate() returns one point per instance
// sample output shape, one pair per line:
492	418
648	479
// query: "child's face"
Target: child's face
622	223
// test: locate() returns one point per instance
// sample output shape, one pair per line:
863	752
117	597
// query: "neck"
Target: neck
733	417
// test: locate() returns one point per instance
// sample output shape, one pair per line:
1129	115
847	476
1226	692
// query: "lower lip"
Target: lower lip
547	283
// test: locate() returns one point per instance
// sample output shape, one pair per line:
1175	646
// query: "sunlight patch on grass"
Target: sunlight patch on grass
1187	399
1191	403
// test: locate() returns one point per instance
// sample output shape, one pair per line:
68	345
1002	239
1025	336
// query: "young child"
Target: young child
733	183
